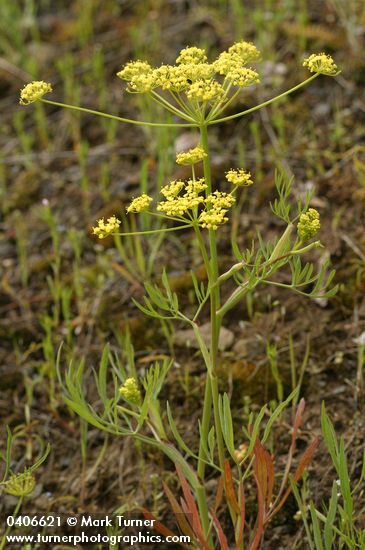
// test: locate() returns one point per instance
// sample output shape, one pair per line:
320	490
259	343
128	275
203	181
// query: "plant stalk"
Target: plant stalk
214	320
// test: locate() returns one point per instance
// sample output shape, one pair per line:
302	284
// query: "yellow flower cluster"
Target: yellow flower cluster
192	55
104	229
308	225
211	219
219	200
227	62
139	203
243	77
172	189
33	91
321	63
205	90
180	197
130	391
133	69
20	485
246	50
217	207
193	74
172	78
239	177
193	156
178	205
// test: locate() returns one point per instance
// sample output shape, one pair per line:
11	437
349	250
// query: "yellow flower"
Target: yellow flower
239	177
178	205
20	485
321	63
211	219
218	200
205	91
192	156
227	62
242	77
217	205
139	203
191	55
194	187
193	72
33	91
308	225
142	83
130	391
134	69
172	189
170	77
104	229
246	50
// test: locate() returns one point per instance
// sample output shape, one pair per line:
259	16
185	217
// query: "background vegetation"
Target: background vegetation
60	171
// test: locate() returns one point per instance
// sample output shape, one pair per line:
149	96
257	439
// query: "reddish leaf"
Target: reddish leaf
178	512
219	495
303	463
190	508
260	517
296	425
221	535
264	470
160	528
270	477
260	467
298	420
306	458
231	495
242	519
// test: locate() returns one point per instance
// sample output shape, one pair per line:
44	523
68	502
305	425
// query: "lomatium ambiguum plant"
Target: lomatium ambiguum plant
197	92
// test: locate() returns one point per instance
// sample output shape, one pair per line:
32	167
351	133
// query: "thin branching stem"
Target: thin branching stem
118	118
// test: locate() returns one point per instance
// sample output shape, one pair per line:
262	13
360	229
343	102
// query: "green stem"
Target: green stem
114	117
14	514
167	105
265	103
152	231
214	306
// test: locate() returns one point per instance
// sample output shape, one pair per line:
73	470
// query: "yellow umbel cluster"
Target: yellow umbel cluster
182	199
308	225
239	177
205	90
245	50
193	75
193	156
321	63
139	203
192	55
217	205
178	205
130	391
20	485
33	91
103	229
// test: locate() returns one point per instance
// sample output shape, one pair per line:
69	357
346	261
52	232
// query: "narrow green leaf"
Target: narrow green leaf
103	373
227	424
328	533
179	440
277	412
255	431
316	528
